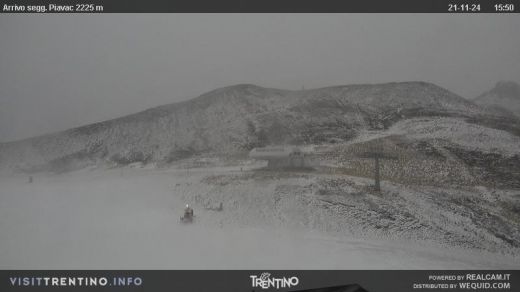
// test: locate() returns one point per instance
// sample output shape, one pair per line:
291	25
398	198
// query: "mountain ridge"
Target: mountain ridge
162	108
237	118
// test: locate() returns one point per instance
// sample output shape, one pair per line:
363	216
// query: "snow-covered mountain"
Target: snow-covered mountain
505	96
238	118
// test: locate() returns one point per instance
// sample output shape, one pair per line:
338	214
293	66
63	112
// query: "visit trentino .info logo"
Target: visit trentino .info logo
265	281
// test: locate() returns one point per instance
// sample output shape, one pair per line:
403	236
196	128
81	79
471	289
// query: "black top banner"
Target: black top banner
260	6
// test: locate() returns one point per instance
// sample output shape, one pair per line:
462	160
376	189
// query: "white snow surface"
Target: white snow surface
129	219
451	130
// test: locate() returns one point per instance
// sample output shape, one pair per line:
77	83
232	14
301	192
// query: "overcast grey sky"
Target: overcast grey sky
62	71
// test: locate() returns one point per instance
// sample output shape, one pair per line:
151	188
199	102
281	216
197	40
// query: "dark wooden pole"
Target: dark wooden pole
377	156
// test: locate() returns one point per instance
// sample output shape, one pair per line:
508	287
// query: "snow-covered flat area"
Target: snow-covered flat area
129	219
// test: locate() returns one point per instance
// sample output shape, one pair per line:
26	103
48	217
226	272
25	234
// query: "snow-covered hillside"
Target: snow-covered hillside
458	132
439	151
235	119
450	192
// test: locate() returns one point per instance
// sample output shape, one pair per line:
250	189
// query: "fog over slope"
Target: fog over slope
505	96
128	218
234	119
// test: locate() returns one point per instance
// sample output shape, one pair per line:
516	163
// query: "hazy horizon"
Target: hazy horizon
62	71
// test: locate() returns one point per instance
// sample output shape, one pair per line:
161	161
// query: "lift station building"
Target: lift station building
281	157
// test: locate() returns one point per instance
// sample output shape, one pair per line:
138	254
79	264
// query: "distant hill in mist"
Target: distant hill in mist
505	96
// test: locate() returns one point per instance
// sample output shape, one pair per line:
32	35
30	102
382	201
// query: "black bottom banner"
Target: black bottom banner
251	280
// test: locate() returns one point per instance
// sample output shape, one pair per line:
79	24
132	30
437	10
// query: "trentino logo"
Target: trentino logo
265	281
